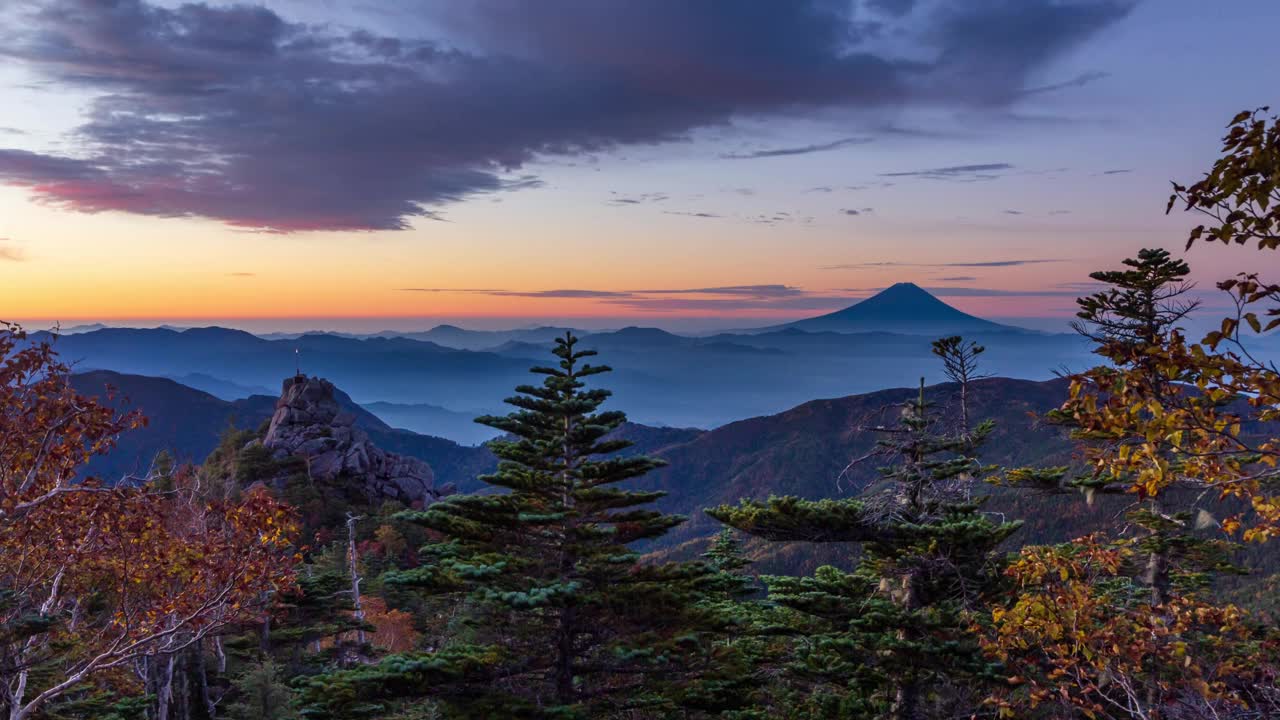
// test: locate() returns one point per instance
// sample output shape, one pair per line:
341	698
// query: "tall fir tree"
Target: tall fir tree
882	641
563	618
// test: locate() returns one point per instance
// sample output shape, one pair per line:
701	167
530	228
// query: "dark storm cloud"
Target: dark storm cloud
237	114
957	173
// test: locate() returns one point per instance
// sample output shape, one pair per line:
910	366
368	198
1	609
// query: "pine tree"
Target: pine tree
564	620
883	638
262	693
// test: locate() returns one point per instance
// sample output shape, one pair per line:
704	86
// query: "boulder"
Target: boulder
308	423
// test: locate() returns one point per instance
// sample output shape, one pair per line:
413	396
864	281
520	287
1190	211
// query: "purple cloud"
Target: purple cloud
237	114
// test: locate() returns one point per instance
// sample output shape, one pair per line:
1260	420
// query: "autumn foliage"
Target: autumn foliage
94	576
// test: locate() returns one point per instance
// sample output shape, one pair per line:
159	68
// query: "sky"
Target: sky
394	163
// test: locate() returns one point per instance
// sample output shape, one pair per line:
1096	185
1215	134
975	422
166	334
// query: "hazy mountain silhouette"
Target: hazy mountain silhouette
901	308
661	378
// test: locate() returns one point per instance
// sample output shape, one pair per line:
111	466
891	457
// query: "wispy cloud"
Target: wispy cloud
994	292
640	199
718	298
966	264
537	294
10	252
754	291
946	291
1078	81
958	278
687	213
957	173
1120	171
242	274
479	291
801	150
1013	212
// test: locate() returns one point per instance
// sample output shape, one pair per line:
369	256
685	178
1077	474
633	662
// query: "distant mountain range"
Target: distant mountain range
435	381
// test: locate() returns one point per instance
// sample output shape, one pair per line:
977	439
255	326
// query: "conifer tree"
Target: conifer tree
1132	324
565	621
887	635
262	694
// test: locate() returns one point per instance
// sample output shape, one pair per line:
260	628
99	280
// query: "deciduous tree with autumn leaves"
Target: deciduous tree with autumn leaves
95	577
1127	627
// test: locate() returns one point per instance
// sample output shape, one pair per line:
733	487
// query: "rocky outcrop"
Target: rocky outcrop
310	424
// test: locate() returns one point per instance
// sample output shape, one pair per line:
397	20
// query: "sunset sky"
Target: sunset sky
394	163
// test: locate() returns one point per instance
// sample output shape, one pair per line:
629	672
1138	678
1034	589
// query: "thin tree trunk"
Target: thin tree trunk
222	656
202	672
164	692
564	658
354	570
906	697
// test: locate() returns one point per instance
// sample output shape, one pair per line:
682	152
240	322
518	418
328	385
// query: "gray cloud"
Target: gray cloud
957	173
724	304
802	150
991	292
728	297
235	113
753	291
690	214
1013	212
640	199
945	291
958	278
1121	171
1079	81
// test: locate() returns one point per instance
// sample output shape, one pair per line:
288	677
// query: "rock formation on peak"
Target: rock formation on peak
310	424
